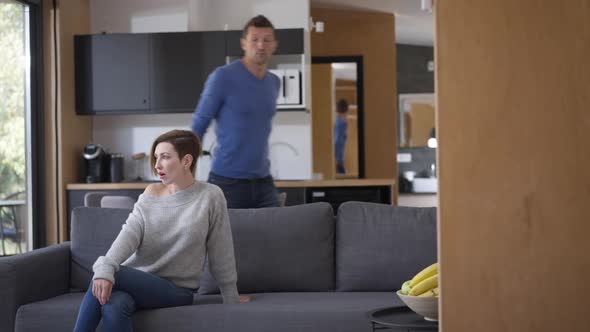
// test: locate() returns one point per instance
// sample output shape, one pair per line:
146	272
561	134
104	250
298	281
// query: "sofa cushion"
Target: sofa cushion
271	312
55	314
281	249
267	312
93	230
379	246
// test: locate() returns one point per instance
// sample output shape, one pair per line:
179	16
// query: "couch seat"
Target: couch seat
317	311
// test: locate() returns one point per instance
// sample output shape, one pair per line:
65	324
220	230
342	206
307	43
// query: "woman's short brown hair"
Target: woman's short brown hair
184	142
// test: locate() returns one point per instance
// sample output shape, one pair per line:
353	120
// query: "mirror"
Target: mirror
340	100
417	120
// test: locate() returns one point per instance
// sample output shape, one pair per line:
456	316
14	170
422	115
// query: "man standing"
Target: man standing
241	97
340	134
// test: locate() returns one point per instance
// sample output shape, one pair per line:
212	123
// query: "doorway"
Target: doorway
338	95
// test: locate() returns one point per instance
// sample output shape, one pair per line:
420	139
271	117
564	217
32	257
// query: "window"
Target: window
17	102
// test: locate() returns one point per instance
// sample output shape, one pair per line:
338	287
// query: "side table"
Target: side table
400	319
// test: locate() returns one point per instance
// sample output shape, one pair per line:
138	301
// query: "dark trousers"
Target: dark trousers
133	290
247	193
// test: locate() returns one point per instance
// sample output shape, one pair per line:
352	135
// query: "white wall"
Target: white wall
233	14
130	134
125	16
193	15
290	141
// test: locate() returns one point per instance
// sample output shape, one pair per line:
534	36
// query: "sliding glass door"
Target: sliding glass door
15	128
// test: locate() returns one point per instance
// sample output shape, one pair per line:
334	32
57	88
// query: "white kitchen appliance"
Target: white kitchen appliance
281	75
292	86
290	91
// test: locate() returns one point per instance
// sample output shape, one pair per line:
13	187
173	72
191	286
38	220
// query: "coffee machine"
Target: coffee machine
97	163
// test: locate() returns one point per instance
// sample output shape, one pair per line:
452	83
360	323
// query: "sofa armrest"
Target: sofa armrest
33	276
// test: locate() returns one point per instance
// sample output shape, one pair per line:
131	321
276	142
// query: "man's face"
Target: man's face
259	44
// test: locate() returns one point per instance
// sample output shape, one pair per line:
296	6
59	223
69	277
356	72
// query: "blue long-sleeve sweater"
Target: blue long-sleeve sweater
243	107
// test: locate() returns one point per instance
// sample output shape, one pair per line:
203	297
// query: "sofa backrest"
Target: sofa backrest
379	246
93	230
284	249
276	249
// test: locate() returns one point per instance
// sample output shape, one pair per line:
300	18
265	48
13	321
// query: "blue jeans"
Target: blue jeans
247	193
133	290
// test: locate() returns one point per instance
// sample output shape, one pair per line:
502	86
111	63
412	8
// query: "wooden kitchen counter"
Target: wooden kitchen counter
279	184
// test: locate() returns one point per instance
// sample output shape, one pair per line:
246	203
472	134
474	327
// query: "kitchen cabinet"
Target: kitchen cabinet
295	196
162	72
144	73
180	65
338	195
112	73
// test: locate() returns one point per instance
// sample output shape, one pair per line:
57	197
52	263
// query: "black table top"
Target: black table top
401	317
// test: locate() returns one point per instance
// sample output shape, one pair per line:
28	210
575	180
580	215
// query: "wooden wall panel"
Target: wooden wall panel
76	131
321	121
513	85
73	17
49	221
371	35
421	123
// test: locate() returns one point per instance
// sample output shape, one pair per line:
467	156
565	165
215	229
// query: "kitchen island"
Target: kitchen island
298	192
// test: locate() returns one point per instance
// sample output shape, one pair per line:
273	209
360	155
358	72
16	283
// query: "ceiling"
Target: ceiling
412	24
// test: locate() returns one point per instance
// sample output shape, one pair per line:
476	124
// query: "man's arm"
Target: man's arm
209	103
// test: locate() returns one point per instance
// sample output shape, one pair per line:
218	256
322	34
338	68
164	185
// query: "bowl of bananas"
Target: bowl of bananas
421	293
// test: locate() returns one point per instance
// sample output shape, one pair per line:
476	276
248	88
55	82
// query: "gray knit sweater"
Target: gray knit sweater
169	236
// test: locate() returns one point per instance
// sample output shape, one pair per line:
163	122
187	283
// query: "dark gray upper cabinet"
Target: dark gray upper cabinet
112	73
290	42
181	62
155	72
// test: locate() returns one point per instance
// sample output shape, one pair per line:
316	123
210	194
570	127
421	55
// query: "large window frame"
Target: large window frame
35	152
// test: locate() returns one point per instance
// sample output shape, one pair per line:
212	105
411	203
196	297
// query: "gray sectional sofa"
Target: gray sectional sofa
305	270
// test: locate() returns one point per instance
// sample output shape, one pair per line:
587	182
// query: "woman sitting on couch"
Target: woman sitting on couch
157	258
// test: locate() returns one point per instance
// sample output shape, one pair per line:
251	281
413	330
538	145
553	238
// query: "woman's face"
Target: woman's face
169	166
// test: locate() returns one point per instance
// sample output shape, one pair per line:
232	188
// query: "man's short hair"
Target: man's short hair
342	106
259	21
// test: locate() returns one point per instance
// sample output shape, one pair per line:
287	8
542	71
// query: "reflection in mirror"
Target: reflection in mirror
337	117
416	117
345	119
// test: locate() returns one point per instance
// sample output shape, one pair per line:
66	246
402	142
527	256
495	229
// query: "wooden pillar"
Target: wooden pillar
513	89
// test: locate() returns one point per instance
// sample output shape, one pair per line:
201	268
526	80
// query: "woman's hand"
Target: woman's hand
101	289
244	299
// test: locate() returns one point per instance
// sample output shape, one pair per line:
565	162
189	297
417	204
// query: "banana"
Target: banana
425	285
425	273
406	287
430	293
